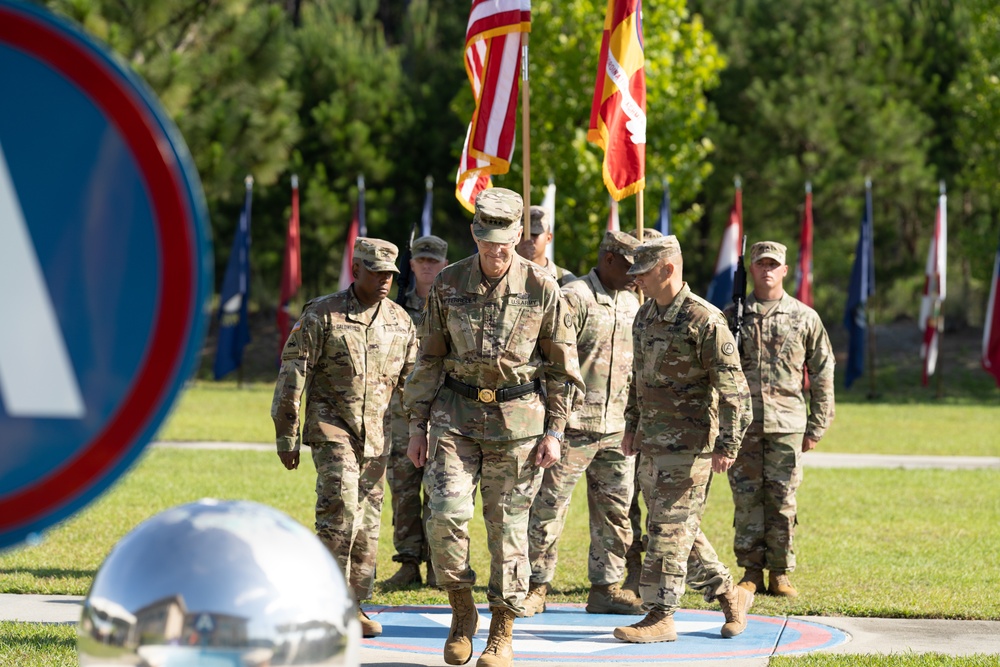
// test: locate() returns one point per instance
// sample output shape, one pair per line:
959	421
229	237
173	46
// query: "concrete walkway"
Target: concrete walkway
816	459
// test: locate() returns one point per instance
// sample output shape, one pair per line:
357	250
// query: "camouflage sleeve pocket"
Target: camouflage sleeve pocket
294	349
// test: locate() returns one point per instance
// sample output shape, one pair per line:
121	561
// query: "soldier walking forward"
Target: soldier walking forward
602	311
409	513
781	337
348	351
496	331
684	364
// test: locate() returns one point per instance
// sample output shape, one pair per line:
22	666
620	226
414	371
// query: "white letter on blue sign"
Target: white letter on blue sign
36	375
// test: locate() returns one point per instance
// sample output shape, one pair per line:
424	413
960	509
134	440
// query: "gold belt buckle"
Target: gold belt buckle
487	396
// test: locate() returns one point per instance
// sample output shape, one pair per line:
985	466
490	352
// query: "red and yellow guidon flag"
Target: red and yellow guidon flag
618	115
493	63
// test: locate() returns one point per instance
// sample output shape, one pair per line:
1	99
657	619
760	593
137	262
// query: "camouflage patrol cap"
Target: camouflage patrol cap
649	253
765	249
619	243
540	222
647	233
498	215
430	246
376	254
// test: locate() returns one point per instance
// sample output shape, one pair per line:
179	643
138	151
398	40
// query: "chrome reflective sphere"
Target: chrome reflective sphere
219	583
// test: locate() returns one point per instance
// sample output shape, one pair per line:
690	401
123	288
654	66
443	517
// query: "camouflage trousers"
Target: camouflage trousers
764	479
610	486
635	514
349	490
409	512
508	480
675	487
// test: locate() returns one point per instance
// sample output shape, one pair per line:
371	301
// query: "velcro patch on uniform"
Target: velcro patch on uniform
523	301
342	327
293	349
458	300
298	325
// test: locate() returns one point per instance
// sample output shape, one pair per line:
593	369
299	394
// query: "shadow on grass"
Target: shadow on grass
50	572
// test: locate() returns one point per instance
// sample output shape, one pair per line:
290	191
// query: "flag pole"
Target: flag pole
939	390
248	182
526	135
870	329
639	214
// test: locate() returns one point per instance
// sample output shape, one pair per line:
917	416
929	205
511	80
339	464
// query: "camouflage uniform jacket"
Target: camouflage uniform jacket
414	306
349	369
504	337
776	347
684	362
562	276
603	324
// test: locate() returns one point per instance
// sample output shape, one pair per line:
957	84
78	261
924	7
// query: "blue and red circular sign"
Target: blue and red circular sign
105	269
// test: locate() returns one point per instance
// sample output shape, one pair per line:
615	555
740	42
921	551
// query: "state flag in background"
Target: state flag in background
614	225
720	290
861	288
931	319
663	224
425	215
493	64
618	113
549	204
357	228
291	268
804	265
991	328
234	324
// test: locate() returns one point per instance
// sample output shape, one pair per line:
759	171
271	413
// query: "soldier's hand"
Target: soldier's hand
721	464
628	440
416	450
808	443
289	459
548	452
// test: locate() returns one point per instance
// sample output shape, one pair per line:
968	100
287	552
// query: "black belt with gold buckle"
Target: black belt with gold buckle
492	395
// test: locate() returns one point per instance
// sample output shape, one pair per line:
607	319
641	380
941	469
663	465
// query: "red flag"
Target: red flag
931	322
991	329
618	114
613	224
804	265
346	268
291	267
493	63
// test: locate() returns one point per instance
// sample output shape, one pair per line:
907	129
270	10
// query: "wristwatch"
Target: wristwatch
558	435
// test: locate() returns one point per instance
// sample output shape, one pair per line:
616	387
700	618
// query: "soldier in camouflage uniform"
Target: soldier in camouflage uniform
781	337
603	311
409	514
684	362
533	248
348	351
495	333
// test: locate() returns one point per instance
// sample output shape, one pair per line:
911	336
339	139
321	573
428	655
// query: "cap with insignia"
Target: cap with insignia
649	253
619	243
498	215
767	249
540	222
430	246
647	233
376	254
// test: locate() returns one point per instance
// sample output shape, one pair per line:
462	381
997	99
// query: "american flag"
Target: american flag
493	62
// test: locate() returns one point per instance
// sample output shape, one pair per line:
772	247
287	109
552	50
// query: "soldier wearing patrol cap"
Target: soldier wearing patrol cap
602	311
533	247
496	332
409	514
351	349
782	338
684	365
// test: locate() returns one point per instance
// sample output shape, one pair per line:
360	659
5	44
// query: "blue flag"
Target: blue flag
720	290
664	223
862	287
234	327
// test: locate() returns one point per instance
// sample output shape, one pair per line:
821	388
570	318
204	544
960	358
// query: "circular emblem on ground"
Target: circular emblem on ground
728	348
565	632
105	267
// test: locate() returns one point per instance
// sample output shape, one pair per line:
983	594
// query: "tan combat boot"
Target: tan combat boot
464	625
778	584
499	651
753	580
369	628
534	601
735	605
610	599
407	575
658	626
633	568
